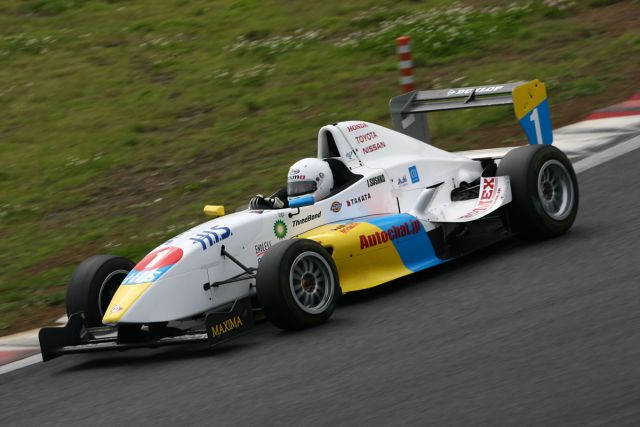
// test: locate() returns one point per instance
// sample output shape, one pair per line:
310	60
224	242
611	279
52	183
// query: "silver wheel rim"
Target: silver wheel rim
109	285
311	282
555	190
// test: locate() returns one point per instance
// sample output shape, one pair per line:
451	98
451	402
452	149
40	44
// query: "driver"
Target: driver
309	181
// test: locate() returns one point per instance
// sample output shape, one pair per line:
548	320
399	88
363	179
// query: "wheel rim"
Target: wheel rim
311	282
108	289
555	190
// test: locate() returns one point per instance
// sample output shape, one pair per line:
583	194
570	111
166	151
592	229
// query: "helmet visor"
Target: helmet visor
298	188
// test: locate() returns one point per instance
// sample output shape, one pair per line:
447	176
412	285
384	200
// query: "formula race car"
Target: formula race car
398	205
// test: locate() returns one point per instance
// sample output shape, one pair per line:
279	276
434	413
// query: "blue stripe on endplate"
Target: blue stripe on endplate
414	247
301	201
537	124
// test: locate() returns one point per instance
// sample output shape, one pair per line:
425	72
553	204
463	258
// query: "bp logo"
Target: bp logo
280	229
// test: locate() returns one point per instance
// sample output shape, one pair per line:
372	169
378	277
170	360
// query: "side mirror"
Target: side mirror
213	210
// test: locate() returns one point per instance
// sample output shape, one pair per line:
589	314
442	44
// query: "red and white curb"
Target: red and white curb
630	107
593	141
21	349
604	135
21	363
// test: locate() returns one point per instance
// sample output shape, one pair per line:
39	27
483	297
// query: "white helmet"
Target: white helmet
309	181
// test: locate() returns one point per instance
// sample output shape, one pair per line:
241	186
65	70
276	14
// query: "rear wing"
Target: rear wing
529	99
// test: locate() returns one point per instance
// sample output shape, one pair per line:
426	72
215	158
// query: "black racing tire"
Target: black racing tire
544	191
297	284
93	284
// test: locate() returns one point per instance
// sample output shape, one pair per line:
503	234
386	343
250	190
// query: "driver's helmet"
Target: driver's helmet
309	181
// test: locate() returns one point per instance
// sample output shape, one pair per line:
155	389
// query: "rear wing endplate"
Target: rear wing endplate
529	99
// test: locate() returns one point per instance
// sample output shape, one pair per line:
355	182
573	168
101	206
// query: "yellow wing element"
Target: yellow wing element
123	299
528	96
359	265
214	210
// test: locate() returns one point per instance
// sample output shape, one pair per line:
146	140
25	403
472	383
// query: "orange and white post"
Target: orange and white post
403	47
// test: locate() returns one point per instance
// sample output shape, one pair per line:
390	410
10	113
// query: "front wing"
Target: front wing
75	337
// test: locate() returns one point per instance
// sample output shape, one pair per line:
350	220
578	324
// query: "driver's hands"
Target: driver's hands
260	202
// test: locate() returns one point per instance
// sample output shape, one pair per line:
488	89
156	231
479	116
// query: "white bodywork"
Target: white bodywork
416	178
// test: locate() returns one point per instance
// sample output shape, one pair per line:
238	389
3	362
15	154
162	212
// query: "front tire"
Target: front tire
297	284
93	284
544	191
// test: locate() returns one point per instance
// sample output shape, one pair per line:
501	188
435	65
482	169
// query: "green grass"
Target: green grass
120	119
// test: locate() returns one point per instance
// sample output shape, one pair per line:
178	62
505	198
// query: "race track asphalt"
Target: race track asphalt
518	334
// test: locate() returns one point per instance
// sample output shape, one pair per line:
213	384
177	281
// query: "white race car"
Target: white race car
398	205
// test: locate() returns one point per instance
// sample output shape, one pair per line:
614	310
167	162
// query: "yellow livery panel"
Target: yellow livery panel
375	249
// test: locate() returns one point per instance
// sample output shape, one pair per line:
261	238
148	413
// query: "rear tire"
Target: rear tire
93	284
544	191
297	284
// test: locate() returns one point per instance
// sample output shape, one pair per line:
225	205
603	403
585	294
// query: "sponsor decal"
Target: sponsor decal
355	127
488	197
280	229
402	181
359	199
345	228
336	206
159	258
373	147
350	155
226	326
116	308
262	248
308	218
222	326
211	236
366	137
488	188
396	232
413	173
153	266
370	137
375	180
296	177
295	171
137	277
468	91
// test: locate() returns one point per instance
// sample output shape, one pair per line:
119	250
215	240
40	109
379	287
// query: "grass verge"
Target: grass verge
121	119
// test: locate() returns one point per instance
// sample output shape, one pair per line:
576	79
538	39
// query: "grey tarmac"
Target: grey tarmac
541	333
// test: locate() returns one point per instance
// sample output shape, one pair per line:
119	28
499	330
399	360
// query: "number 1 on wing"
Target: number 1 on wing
535	118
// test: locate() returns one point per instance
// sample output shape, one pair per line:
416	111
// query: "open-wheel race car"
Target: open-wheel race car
397	205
